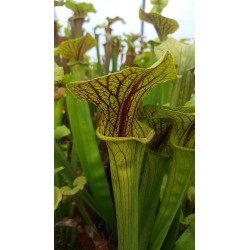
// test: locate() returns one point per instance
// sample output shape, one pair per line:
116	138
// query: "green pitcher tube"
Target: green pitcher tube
126	154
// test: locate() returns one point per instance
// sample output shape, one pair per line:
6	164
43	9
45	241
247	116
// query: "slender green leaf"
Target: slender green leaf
89	157
88	152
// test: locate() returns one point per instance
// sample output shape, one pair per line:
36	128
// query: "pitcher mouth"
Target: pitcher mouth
143	140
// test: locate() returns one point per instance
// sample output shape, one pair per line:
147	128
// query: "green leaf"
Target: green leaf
75	49
119	95
80	9
163	25
187	239
57	197
61	131
89	157
78	185
184	57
